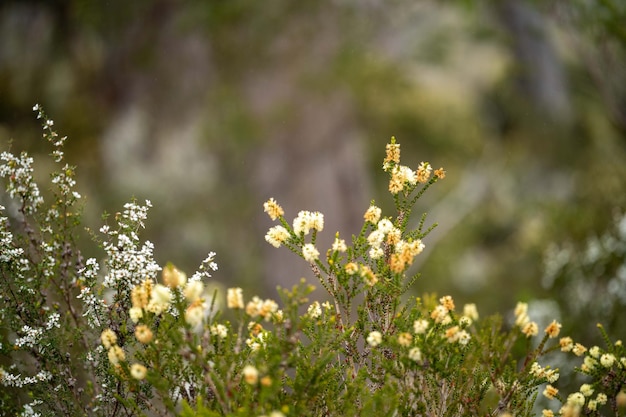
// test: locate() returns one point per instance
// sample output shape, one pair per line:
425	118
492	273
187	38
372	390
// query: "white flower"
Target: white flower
607	360
586	390
415	354
420	326
250	374
375	338
310	253
385	226
219	330
317	221
595	352
314	311
463	337
576	399
276	236
339	245
138	371
375	239
376	253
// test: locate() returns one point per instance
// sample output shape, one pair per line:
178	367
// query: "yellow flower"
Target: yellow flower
138	371
194	314
392	153
368	275
553	329
143	334
250	374
160	299
268	308
452	334
276	236
405	339
372	215
273	209
234	298
440	315
108	338
135	314
140	295
440	173
397	263
423	172
351	268
579	349
254	306
530	329
566	343
173	277
470	310
550	392
116	355
447	302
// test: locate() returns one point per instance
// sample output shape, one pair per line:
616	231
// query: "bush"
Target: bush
109	337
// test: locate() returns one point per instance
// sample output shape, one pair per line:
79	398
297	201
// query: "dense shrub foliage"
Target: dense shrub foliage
122	335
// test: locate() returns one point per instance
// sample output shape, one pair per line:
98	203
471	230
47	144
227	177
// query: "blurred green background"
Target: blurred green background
208	108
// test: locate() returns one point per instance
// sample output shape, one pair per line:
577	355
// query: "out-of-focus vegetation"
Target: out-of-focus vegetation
180	102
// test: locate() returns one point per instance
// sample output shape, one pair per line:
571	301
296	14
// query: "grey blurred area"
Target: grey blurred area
209	108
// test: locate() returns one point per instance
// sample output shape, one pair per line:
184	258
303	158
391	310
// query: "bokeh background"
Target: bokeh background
210	107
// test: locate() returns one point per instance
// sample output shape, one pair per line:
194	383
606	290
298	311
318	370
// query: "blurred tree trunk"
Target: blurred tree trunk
540	76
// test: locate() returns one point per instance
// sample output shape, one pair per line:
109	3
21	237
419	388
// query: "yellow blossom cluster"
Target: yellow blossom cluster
441	313
234	298
364	271
173	277
401	175
528	327
263	308
117	356
392	154
551	375
273	209
388	235
372	214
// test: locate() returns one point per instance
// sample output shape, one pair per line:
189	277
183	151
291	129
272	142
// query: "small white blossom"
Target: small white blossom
314	311
374	339
310	252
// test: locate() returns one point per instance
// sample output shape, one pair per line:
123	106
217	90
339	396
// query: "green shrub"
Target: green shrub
111	337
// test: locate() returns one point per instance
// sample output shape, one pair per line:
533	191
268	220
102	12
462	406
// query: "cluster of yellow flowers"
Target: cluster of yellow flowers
439	315
116	355
149	297
267	309
402	176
